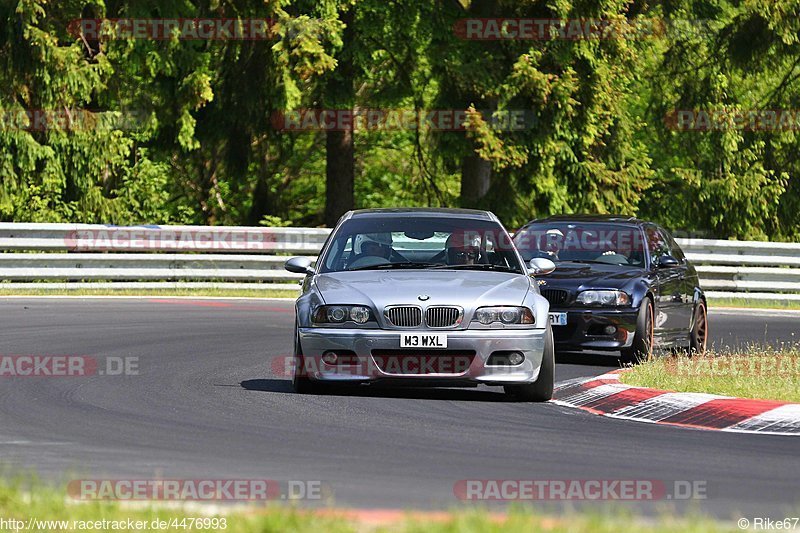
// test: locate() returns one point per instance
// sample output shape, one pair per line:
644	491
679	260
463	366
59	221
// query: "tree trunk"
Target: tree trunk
476	177
339	150
339	175
262	202
476	173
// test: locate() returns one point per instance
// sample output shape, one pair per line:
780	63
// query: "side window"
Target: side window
347	252
493	257
656	244
333	254
340	250
488	240
674	250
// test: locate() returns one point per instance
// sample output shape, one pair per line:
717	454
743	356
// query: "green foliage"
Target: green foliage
188	134
732	182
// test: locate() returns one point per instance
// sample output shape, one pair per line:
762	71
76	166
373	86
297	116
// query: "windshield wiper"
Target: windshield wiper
480	266
402	264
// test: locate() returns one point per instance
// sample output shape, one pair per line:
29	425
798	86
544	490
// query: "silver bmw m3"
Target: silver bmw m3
424	297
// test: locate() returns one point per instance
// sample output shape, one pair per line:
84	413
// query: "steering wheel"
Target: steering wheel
612	259
367	261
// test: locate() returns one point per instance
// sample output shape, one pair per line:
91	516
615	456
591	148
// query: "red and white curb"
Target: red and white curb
606	396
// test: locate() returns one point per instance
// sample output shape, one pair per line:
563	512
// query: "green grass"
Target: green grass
24	501
762	373
231	293
753	304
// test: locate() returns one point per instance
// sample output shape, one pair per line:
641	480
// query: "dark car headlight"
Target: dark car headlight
610	298
504	315
339	314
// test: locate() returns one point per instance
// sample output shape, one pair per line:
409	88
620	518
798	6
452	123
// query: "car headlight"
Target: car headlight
604	298
339	314
504	315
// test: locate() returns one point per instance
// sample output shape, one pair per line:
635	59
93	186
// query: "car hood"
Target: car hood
590	275
379	288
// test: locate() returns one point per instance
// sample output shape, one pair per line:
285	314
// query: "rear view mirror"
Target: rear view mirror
667	261
299	265
419	235
540	266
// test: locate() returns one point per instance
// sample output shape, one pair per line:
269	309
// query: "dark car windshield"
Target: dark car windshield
372	243
587	242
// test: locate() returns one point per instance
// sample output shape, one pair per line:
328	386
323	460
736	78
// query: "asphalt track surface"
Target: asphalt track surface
205	405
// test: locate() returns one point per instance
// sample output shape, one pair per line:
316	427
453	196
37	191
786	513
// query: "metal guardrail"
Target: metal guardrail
141	257
217	239
135	257
760	270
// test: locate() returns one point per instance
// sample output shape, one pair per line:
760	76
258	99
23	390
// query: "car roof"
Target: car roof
421	211
589	218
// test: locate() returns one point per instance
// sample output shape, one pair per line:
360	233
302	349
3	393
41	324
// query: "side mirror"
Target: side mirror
541	266
299	265
667	261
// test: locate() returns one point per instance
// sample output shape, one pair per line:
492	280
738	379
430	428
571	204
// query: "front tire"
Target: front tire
540	390
642	347
698	336
300	381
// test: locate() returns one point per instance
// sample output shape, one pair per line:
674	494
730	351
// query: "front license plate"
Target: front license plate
423	340
558	319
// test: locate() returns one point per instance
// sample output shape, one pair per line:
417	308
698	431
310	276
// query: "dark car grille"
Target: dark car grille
565	333
406	316
410	362
555	296
443	317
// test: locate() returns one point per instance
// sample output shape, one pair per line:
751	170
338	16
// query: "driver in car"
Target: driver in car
463	249
554	239
376	245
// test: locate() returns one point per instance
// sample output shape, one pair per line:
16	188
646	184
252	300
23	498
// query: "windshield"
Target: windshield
420	243
591	242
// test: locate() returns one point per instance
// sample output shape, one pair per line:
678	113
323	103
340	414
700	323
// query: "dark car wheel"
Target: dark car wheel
698	337
540	390
642	347
300	381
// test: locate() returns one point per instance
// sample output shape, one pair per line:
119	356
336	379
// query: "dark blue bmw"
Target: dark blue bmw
621	284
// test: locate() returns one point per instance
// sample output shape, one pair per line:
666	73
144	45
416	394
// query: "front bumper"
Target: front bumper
373	348
584	329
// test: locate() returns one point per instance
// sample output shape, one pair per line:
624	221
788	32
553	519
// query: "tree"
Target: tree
339	95
727	179
576	151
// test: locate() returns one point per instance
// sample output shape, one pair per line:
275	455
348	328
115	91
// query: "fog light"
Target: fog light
515	358
610	330
329	358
